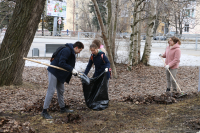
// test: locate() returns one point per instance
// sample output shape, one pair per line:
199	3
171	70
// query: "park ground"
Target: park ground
138	104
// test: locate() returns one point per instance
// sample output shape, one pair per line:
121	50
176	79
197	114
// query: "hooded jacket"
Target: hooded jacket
100	64
66	59
172	56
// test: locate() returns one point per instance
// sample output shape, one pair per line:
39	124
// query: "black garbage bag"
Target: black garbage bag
96	93
84	78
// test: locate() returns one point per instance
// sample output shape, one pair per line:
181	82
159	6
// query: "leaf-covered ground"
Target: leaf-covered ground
133	104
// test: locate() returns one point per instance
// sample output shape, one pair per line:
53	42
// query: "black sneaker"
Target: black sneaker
168	89
66	111
46	115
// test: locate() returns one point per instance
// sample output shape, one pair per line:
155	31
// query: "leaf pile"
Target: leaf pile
194	124
70	118
38	105
9	125
165	98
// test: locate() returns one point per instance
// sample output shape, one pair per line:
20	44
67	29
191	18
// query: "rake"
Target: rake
182	93
80	75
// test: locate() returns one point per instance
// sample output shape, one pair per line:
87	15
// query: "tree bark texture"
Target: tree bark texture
110	57
139	33
133	39
149	33
109	24
136	30
115	26
18	39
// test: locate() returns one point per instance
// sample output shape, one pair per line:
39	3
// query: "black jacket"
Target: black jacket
66	59
100	64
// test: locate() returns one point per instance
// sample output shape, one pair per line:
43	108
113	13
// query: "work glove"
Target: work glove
160	55
106	69
167	67
74	72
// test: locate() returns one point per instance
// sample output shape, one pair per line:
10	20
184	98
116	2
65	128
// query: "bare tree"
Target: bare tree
84	16
149	33
18	39
105	38
182	14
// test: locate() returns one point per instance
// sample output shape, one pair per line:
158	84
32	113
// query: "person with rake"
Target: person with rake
172	55
65	59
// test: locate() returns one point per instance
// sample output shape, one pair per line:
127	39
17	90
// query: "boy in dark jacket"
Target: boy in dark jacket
66	59
100	61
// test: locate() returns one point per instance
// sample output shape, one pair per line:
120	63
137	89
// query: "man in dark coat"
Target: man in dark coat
66	59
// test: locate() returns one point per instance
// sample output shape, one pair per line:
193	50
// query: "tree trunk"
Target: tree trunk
135	43
109	24
110	57
133	39
18	39
149	33
115	28
139	33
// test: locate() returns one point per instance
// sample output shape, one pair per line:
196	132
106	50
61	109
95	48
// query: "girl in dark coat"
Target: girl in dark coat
100	61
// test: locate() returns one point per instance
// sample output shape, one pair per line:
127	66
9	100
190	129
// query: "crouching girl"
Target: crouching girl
100	61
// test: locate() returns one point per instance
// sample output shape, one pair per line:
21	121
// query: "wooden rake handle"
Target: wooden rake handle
172	75
49	65
45	64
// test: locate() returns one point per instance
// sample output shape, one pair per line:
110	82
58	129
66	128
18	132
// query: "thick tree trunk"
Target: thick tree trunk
110	57
149	33
18	39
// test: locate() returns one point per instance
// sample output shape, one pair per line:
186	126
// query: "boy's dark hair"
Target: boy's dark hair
79	45
97	42
93	46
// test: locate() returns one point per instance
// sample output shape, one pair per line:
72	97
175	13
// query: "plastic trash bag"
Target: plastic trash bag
84	78
96	93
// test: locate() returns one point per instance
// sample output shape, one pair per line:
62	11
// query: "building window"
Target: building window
131	20
186	27
76	27
77	4
187	12
76	15
192	13
83	4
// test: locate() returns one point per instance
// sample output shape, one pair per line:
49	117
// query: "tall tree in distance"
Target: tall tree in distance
18	39
49	23
103	12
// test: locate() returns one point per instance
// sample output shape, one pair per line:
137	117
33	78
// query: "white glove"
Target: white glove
74	72
167	66
106	69
160	55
